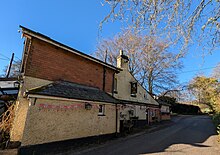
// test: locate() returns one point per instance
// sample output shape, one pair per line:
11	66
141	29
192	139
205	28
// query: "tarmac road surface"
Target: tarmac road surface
189	135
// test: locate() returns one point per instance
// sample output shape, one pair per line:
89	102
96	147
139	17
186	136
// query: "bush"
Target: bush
216	120
185	109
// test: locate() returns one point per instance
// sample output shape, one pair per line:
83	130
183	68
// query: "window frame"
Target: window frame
115	85
145	97
102	108
133	89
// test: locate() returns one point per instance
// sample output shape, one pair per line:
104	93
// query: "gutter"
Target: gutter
116	126
64	99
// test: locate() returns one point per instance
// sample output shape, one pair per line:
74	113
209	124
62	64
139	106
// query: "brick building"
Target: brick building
64	95
48	59
67	95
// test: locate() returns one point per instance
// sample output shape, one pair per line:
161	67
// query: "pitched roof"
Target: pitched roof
8	79
71	90
8	91
65	47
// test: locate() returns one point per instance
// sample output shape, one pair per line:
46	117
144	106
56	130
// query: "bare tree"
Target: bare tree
150	61
15	69
216	71
178	21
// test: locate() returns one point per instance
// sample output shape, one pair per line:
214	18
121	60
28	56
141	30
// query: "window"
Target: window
145	97
115	85
152	113
143	107
133	89
101	110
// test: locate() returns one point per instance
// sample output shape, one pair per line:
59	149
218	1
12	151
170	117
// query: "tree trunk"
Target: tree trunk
150	82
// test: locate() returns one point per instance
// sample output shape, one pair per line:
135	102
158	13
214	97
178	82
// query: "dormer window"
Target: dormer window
133	89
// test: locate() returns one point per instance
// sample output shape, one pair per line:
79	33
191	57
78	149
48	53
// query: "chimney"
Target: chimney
122	61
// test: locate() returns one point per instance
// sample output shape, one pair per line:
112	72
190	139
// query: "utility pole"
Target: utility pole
9	67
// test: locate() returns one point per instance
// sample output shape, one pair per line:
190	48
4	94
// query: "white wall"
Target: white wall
124	89
124	78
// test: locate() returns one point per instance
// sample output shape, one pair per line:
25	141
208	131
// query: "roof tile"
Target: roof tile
74	91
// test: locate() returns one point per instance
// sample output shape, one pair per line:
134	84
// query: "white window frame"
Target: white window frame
102	108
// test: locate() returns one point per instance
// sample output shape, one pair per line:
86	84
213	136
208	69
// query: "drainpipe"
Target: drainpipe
116	106
104	71
113	84
116	133
148	115
104	76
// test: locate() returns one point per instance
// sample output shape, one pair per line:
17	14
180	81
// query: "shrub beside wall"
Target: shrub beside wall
180	108
185	109
216	120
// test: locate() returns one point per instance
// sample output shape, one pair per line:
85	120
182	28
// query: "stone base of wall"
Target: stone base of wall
62	146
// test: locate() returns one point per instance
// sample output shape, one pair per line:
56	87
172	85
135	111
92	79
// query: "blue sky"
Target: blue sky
74	23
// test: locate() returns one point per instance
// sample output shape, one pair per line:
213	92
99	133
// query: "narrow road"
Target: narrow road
189	135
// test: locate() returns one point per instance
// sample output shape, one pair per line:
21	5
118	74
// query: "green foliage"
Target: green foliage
206	90
167	99
180	108
216	120
185	109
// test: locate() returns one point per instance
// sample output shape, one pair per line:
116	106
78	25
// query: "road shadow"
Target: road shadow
191	131
186	132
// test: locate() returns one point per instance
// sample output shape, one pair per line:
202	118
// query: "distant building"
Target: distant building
165	110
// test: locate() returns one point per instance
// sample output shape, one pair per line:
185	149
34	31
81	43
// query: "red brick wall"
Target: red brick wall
165	116
49	62
157	115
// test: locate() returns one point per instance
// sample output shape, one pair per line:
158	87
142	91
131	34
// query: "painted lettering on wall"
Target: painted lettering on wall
81	106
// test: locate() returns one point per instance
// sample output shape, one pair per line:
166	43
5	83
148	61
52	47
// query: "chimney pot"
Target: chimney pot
122	60
121	52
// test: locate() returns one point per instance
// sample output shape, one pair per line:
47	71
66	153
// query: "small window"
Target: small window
145	97
133	89
115	85
101	110
152	113
142	107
